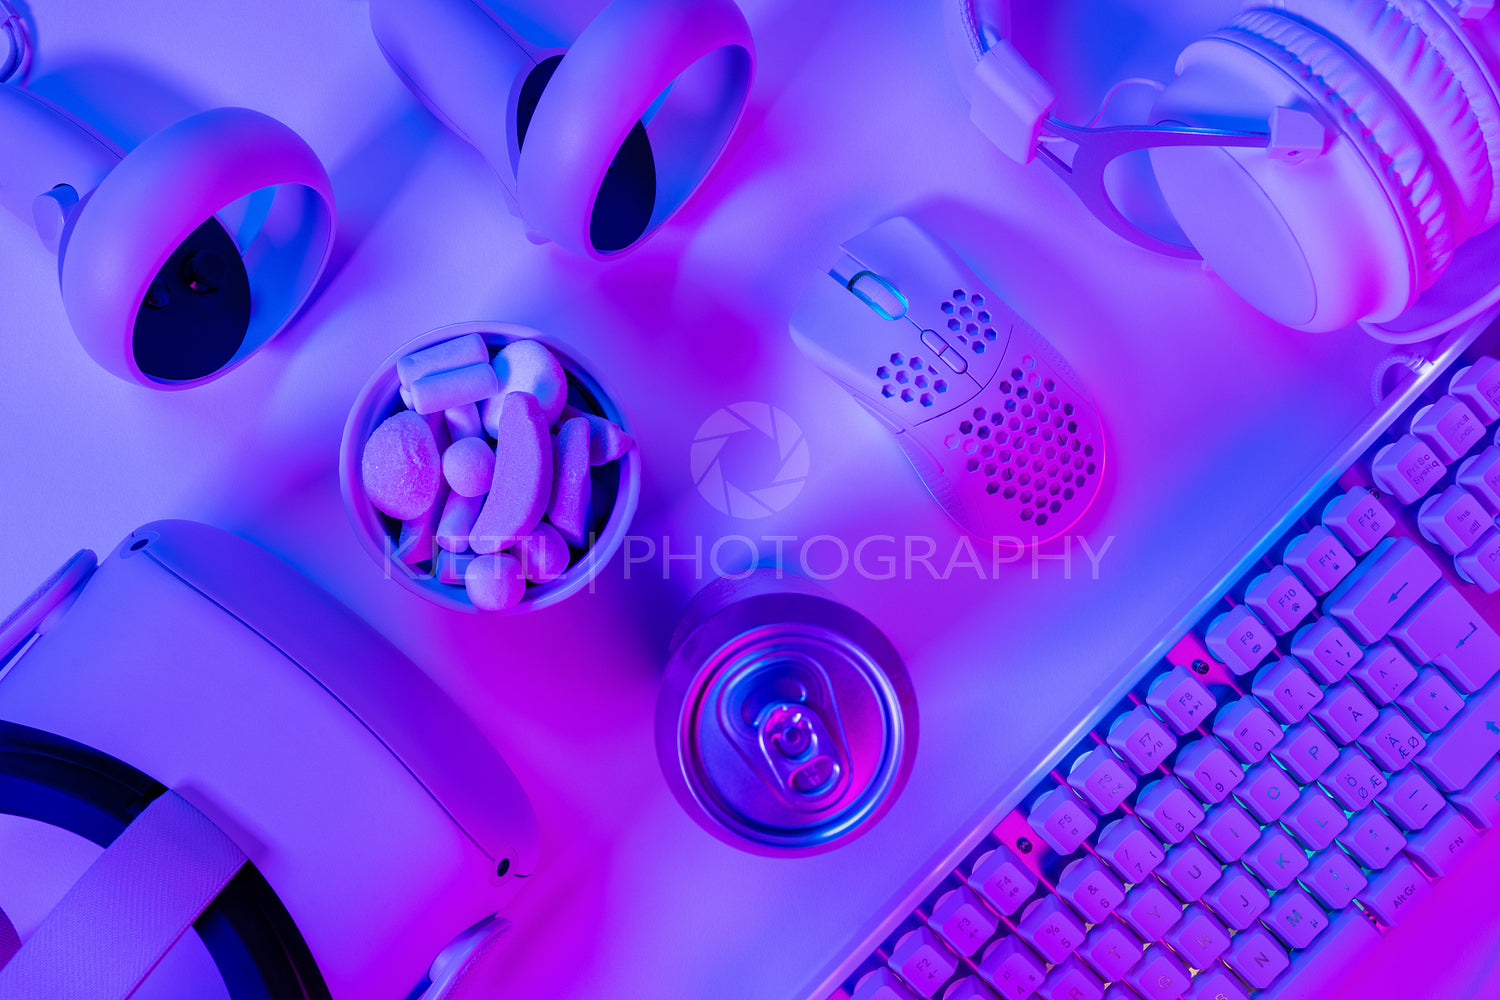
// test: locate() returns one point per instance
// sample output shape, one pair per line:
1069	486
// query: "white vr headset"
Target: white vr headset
263	785
1326	158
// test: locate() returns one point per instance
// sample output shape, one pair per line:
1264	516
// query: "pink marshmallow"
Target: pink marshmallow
400	468
418	540
450	389
526	366
469	466
523	475
444	357
459	515
463	421
607	441
494	582
543	553
571	485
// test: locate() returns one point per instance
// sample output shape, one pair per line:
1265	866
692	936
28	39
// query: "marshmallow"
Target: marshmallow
543	554
400	468
418	539
607	441
469	466
523	475
452	565
459	515
526	366
463	422
571	485
494	582
460	352
449	389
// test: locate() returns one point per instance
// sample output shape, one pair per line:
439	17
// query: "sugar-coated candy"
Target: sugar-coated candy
400	468
526	366
607	441
543	553
463	421
418	539
494	582
469	466
459	515
451	566
571	486
523	475
449	389
459	352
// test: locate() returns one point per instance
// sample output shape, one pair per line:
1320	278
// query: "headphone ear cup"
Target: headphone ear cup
1352	234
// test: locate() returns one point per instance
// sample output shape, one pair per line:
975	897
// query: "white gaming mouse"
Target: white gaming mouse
997	424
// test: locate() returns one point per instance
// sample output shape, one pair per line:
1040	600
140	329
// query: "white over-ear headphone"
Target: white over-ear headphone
1326	158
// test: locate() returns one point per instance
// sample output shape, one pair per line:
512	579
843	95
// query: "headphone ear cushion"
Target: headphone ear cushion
1427	64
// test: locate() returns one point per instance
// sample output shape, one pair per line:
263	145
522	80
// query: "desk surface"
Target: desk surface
1213	416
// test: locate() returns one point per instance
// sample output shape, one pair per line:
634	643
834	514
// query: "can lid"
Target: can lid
797	725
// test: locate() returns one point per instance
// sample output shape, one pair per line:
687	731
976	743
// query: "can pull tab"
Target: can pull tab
800	751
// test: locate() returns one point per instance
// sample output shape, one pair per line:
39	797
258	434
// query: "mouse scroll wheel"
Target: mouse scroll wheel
879	294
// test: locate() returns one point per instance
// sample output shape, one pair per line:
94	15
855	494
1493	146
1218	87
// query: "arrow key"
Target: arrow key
1455	756
1446	631
1376	596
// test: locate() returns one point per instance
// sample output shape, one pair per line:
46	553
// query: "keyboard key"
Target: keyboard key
1257	957
1276	859
1129	849
1455	756
1314	819
1151	910
969	988
1240	640
1199	937
923	961
1101	779
882	984
1169	810
1444	630
1431	701
1111	949
1286	689
1295	918
1159	975
1306	751
1454	520
1051	928
1012	968
1247	729
1001	878
963	920
1333	878
1345	712
1480	475
1181	700
1446	841
1215	984
1396	892
1407	469
1480	800
1318	971
1384	672
1481	564
1383	588
1449	428
1320	559
1326	649
1411	800
1479	386
1267	792
1359	520
1141	739
1393	741
1071	980
1237	898
1189	870
1228	831
1353	780
1206	767
1373	839
1091	888
1062	821
1280	599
